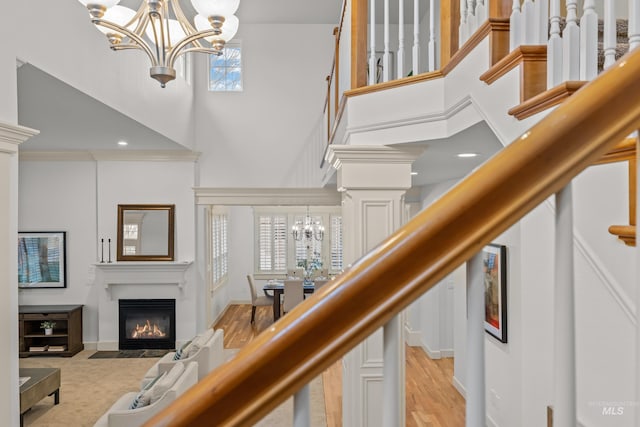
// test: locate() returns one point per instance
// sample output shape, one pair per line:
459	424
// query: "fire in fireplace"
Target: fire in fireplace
147	324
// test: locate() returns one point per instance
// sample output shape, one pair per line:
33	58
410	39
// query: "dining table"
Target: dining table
277	287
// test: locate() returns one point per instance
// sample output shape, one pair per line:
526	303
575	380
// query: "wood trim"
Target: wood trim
500	8
359	15
394	83
324	327
546	99
513	59
336	68
622	152
449	27
486	29
626	233
498	39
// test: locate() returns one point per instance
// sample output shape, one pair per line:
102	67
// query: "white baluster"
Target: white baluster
554	48
610	30
589	41
542	19
515	26
634	33
475	405
462	29
432	36
386	63
393	388
471	19
302	407
529	23
400	53
564	405
481	13
373	69
571	44
416	38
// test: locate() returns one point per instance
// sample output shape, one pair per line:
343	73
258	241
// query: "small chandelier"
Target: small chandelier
307	229
162	31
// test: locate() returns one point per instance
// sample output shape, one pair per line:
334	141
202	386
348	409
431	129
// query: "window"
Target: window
225	71
219	247
276	250
183	67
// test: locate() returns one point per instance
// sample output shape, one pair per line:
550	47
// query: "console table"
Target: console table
66	339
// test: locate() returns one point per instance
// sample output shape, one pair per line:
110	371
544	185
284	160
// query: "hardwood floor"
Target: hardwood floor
431	399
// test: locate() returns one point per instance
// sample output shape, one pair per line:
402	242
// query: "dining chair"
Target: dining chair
263	301
293	294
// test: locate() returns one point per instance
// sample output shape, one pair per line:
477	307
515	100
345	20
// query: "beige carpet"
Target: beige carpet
90	386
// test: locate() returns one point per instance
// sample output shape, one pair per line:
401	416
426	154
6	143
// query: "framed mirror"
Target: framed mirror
145	233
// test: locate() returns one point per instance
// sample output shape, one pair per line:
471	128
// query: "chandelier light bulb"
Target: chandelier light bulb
210	8
229	28
171	37
118	15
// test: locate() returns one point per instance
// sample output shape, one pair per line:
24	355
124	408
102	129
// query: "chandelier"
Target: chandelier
307	229
162	31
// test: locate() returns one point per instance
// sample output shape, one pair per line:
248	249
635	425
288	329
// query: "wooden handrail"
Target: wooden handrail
445	234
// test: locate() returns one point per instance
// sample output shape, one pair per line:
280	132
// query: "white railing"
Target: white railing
472	14
572	40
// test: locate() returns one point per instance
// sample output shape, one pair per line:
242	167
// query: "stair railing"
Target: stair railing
450	231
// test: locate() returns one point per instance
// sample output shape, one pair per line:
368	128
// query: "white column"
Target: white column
564	402
554	47
609	36
373	70
589	40
432	36
400	53
10	137
302	407
571	44
386	63
475	396
373	180
634	24
415	60
515	25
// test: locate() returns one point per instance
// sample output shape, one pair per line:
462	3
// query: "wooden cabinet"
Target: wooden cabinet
66	339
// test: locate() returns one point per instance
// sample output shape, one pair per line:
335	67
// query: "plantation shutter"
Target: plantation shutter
272	243
336	243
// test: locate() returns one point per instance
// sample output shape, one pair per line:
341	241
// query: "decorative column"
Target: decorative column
10	137
373	181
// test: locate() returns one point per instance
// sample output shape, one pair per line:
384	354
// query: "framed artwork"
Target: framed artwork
42	260
494	264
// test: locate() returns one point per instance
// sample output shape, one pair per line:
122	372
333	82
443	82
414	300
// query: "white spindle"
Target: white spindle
475	405
302	407
416	38
589	41
462	29
373	69
529	23
481	13
471	20
634	31
554	47
515	25
386	62
432	35
542	20
400	53
564	405
393	380
609	36
571	44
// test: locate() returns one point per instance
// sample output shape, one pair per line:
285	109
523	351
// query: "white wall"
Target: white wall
251	138
81	198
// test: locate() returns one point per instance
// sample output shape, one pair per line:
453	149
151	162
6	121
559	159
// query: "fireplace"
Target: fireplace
147	324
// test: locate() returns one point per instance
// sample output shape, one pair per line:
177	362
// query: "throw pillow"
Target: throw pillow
181	351
144	398
165	383
197	343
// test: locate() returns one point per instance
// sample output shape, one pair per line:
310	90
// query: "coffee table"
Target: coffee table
43	382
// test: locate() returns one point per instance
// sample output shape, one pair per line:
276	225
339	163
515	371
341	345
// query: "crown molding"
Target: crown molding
13	135
112	155
267	196
339	155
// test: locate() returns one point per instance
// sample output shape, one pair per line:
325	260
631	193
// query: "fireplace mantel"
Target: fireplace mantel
141	273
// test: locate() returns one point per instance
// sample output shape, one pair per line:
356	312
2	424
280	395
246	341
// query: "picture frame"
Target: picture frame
494	266
42	259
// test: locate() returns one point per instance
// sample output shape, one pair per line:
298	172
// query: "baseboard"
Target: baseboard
412	337
447	353
91	345
107	346
433	354
458	386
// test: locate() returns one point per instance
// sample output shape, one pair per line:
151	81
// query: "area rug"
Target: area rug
128	354
89	386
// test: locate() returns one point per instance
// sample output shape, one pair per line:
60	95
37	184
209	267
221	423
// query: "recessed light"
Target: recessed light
467	155
414	173
123	143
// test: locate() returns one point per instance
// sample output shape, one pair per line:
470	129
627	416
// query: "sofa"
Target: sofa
207	349
135	408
